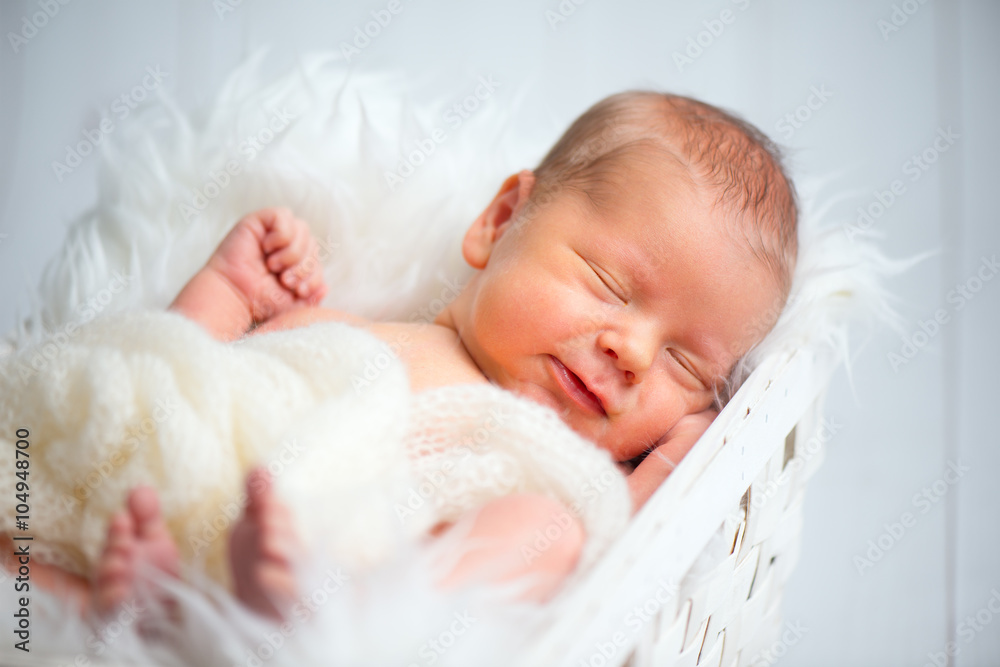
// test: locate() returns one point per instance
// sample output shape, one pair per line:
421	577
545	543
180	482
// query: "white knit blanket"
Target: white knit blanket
151	398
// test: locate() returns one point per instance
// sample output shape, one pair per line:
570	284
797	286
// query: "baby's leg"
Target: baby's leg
71	588
525	535
260	549
500	543
137	534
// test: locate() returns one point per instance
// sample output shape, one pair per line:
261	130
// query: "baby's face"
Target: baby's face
623	319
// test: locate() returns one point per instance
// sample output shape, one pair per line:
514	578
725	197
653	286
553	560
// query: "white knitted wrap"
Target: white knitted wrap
151	398
472	443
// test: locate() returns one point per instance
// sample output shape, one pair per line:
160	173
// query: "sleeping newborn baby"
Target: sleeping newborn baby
618	284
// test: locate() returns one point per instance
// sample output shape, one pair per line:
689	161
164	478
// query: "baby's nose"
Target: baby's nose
629	375
631	352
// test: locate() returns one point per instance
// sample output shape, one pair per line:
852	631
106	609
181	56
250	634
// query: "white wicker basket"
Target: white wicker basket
747	474
744	480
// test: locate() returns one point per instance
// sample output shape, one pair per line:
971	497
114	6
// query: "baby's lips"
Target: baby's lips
576	388
592	387
602	396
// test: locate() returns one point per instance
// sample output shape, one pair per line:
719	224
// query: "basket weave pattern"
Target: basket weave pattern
734	616
653	600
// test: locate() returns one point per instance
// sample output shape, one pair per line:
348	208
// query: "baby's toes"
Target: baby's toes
275	532
282	526
115	574
120	541
116	567
144	506
121	533
273	547
277	581
258	485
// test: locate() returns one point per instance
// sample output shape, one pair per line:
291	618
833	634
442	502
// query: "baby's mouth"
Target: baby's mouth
576	388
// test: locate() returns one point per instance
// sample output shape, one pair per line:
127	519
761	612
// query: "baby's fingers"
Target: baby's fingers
290	255
312	289
649	474
305	279
280	226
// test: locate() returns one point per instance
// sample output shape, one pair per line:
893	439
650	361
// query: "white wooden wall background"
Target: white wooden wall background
889	94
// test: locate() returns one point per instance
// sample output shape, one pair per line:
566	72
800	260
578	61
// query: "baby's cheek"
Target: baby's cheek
526	305
665	404
504	312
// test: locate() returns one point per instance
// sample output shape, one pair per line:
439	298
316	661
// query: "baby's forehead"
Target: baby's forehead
654	183
673	235
665	183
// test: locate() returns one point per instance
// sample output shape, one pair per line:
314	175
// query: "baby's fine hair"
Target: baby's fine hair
735	160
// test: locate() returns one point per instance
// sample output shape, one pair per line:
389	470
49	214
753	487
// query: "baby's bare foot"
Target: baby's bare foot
261	548
136	535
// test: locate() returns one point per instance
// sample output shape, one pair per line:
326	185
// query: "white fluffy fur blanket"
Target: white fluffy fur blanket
327	139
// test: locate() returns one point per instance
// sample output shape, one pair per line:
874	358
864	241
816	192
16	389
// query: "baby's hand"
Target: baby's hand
271	260
660	462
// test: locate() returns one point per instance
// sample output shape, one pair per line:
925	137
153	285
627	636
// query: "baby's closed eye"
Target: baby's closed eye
688	368
608	282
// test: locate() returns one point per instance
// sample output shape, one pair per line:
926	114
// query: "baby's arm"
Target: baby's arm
660	462
494	546
265	266
499	544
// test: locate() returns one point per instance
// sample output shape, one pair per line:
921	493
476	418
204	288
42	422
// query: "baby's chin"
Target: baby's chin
621	452
602	433
624	447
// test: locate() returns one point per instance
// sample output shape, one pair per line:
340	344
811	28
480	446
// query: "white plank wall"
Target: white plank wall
886	98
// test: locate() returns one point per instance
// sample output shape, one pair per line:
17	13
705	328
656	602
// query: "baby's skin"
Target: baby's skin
624	317
265	275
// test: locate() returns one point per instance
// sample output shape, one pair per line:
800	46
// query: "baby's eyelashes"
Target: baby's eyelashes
688	369
609	283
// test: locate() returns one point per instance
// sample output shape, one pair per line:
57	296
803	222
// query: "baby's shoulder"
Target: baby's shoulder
434	354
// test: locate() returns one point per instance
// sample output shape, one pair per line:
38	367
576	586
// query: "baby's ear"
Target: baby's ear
498	216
